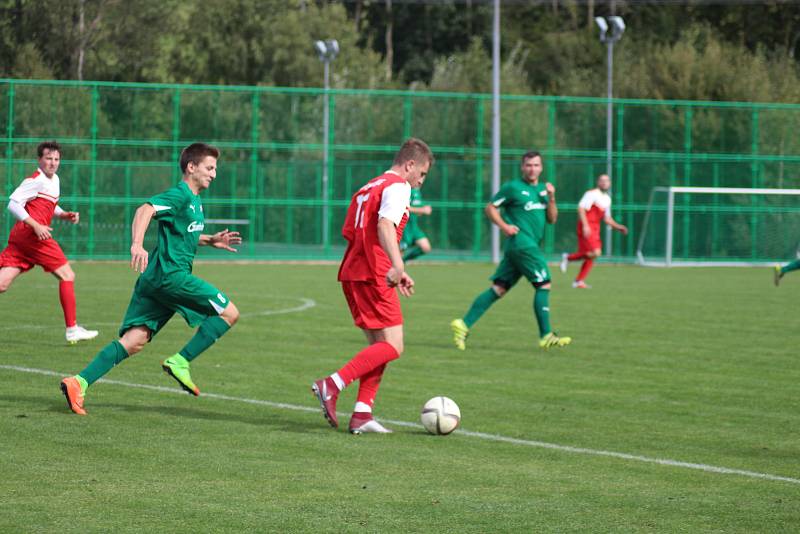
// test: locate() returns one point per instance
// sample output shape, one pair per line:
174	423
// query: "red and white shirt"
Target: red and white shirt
38	196
597	205
387	196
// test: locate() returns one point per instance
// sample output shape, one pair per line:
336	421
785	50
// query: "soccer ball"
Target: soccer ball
440	415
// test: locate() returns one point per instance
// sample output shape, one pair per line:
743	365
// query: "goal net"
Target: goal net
720	226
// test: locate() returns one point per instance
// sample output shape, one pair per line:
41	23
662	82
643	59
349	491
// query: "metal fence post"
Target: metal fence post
687	177
254	135
477	216
10	149
754	176
93	171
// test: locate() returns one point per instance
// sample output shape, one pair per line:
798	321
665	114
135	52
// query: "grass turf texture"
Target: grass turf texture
696	365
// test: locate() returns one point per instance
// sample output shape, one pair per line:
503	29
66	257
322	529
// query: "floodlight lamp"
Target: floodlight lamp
321	49
333	47
602	26
618	26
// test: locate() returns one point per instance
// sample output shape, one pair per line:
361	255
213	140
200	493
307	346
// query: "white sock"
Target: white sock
338	381
362	407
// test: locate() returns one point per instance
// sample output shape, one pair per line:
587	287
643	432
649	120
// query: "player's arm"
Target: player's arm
27	190
72	216
141	220
615	225
493	214
397	276
551	213
224	240
421	210
587	229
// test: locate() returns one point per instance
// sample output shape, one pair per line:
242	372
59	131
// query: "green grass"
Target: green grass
694	365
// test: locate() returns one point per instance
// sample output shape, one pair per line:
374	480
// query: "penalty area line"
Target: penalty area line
468	433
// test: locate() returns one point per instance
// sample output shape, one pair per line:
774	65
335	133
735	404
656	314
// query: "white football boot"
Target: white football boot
364	423
78	333
564	262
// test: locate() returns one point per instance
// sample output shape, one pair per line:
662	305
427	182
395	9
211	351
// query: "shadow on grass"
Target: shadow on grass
26	406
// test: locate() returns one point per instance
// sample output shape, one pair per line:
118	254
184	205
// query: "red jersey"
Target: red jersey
38	194
386	196
597	205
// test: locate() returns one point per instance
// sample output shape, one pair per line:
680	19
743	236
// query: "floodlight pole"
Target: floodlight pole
495	123
617	27
326	126
609	127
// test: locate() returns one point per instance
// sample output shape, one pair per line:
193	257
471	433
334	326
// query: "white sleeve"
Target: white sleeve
26	191
58	211
394	202
17	210
587	200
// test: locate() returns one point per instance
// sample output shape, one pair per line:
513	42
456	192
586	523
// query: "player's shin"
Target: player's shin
413	252
541	308
585	269
482	303
209	332
793	266
66	294
111	355
369	359
368	389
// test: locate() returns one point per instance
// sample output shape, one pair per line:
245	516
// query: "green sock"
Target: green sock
209	332
412	252
795	265
482	303
541	307
111	355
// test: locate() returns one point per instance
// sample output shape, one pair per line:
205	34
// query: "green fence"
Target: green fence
122	140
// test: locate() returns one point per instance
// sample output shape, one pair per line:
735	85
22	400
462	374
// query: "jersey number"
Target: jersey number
360	199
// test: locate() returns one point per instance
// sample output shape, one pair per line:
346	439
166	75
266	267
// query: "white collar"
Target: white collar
390	171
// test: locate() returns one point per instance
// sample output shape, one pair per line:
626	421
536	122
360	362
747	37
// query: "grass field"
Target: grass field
689	365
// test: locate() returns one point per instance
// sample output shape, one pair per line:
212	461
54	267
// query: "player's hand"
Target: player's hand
511	229
225	239
72	216
406	285
42	232
587	231
426	210
138	258
623	229
551	189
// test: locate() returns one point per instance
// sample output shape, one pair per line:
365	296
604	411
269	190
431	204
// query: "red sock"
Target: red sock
585	268
66	293
369	384
367	360
576	256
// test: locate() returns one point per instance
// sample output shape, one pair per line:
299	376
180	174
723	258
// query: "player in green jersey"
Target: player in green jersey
167	285
527	206
415	243
780	271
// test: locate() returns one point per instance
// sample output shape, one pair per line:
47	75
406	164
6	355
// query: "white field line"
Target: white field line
304	305
479	435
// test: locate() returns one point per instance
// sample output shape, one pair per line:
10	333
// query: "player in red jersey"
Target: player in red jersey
34	204
594	208
371	274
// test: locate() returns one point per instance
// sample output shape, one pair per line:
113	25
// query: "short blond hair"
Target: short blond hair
414	149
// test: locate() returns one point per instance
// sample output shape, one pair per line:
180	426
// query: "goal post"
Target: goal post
722	226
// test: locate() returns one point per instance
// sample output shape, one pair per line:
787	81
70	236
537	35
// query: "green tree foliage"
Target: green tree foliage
689	50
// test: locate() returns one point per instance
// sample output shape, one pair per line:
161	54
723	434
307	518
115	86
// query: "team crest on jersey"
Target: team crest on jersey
531	205
195	227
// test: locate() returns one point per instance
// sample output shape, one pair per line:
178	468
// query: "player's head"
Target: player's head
413	161
49	155
531	165
604	182
199	164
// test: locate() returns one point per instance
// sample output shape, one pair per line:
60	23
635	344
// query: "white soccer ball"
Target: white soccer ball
440	415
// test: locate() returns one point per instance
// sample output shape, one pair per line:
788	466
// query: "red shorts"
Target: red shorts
589	244
371	305
24	256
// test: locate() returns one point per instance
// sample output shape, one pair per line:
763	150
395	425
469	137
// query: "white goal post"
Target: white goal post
719	226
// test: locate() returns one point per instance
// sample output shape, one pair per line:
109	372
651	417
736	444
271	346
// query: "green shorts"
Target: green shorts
527	262
411	234
193	298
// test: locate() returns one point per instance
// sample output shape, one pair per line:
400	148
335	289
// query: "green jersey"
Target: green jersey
523	205
179	213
